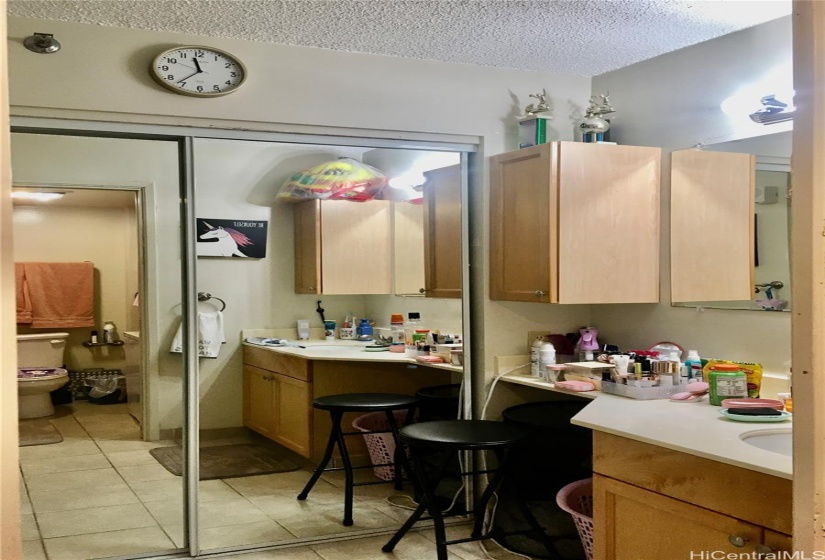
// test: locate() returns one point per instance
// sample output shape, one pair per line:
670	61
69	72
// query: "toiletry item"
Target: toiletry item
547	357
110	335
397	347
329	330
752	371
364	330
726	381
786	400
94	337
620	363
693	363
554	373
303	329
413	322
535	350
587	344
397	328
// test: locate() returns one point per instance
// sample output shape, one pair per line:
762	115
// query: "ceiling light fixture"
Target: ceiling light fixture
37	196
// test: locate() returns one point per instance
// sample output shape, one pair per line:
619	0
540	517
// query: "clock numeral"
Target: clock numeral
182	54
200	88
216	88
164	68
228	65
228	82
233	74
183	84
199	54
173	60
170	77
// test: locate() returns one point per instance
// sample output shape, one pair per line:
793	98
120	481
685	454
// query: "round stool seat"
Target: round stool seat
364	402
463	434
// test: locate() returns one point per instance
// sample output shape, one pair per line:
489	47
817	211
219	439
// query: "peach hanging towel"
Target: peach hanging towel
61	294
24	304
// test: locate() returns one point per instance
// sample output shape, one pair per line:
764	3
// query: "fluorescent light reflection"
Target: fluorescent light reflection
37	196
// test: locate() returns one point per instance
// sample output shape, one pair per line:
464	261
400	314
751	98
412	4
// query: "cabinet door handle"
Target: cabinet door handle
762	550
310	287
737	541
539	293
268	378
422	290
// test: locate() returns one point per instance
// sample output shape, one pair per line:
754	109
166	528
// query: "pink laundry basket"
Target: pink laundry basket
577	499
380	446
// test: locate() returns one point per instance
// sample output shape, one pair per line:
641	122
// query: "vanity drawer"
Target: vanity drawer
291	366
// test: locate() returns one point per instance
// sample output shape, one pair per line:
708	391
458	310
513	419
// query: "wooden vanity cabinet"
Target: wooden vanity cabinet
277	398
574	222
342	247
712	226
652	503
278	390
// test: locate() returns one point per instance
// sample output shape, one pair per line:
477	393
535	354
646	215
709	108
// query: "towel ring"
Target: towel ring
206	296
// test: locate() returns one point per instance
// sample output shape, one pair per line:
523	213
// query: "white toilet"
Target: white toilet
39	372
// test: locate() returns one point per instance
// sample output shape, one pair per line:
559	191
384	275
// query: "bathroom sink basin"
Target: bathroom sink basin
776	441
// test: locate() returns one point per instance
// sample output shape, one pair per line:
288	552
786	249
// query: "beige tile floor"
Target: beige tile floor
99	494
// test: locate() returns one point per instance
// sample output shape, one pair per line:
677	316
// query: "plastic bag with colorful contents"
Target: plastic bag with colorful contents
753	372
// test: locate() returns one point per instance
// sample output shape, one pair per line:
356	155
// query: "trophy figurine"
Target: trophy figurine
593	125
533	123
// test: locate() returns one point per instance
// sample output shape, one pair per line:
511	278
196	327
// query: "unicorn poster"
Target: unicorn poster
231	238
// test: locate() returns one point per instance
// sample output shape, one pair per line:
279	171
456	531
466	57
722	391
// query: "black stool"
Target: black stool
449	436
337	405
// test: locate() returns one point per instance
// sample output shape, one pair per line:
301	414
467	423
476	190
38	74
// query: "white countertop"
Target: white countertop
349	350
696	428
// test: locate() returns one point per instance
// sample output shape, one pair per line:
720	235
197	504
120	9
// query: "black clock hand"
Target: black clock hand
198	65
187	77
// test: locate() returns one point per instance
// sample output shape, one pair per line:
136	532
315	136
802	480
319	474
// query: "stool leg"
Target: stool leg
492	487
319	470
348	478
398	453
427	503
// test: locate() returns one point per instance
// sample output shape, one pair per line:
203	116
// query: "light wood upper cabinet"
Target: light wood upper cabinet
442	232
712	226
408	248
568	219
342	247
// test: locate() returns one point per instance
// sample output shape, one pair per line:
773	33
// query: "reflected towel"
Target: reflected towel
24	304
61	293
210	335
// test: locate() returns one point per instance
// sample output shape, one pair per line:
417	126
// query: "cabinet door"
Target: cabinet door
777	542
442	232
307	217
293	413
608	231
258	396
523	225
635	524
408	248
711	226
355	247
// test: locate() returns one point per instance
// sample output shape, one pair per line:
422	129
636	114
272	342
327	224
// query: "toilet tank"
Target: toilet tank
41	350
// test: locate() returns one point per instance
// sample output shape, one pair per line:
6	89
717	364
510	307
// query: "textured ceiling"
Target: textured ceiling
584	37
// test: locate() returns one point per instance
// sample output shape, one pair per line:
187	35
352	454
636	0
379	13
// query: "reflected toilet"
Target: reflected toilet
39	372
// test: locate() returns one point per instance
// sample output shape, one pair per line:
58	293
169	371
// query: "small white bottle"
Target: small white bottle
109	332
693	363
547	357
535	357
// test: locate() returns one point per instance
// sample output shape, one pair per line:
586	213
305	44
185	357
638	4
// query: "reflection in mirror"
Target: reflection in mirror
772	290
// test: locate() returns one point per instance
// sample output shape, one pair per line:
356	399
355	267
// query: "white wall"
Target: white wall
673	101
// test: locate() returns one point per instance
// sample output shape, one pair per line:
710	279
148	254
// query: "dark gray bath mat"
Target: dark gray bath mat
38	431
227	461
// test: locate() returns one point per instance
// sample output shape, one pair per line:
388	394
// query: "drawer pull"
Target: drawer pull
539	293
737	541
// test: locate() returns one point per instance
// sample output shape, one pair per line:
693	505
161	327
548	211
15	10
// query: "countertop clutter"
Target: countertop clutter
350	350
696	428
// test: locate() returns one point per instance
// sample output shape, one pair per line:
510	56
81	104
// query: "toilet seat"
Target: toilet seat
40	374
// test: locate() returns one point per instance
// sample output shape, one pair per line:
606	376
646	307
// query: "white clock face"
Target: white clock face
198	71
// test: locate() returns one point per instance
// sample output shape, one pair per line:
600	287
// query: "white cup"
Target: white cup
303	329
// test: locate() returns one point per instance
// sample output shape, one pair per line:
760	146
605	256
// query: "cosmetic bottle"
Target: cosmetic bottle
693	364
535	357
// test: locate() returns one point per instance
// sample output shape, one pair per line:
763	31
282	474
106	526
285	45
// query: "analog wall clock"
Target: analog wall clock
198	71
